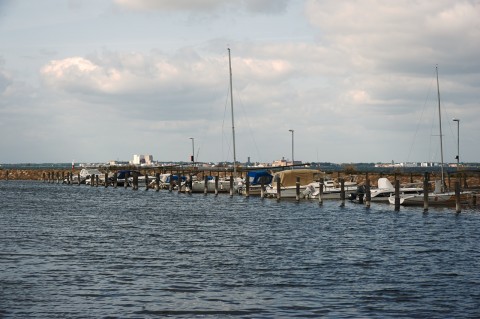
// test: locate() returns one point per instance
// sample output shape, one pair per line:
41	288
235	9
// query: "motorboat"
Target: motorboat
331	189
288	181
435	198
383	191
256	179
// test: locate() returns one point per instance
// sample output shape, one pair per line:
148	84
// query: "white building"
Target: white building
142	159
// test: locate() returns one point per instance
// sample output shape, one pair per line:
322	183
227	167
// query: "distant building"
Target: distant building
142	159
284	162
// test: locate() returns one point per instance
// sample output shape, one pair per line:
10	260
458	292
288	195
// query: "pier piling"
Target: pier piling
320	191
157	182
205	186
279	189
425	192
342	192
458	205
368	194
397	195
297	189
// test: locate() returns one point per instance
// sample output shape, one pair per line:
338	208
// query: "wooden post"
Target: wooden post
125	183
135	181
474	199
342	192
179	182
205	186
231	185
262	187
216	185
425	192
146	180
115	181
279	189
44	177
465	183
97	180
320	191
63	176
397	195
368	194
458	204
106	179
157	182
6	175
247	186
411	177
170	183
297	188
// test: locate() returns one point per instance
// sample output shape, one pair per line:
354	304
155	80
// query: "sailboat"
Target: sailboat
224	184
439	196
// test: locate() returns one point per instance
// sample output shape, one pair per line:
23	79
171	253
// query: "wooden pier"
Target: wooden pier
150	177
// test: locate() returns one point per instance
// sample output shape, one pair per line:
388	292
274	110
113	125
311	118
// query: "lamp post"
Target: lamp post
293	160
193	151
458	142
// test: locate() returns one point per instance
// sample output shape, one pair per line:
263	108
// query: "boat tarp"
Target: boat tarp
256	177
307	176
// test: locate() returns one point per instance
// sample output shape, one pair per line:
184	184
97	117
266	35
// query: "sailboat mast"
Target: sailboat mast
440	126
233	122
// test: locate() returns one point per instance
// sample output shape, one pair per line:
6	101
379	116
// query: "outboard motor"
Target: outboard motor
359	193
309	190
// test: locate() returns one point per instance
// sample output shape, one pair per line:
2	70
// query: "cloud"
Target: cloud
5	82
155	82
387	51
252	6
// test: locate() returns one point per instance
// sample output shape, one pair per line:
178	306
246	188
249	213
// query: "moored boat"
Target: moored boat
288	181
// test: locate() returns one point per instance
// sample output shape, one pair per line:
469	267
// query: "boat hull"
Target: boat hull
434	199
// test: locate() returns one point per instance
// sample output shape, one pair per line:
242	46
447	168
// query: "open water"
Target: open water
90	252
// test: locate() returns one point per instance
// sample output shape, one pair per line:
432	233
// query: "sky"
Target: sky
102	80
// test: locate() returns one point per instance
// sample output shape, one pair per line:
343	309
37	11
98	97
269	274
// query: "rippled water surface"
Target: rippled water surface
80	251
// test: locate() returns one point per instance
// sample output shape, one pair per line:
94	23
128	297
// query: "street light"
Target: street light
293	160
458	142
192	158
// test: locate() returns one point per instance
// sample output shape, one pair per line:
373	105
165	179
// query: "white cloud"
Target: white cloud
376	34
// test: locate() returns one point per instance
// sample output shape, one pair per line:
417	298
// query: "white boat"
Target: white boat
87	173
198	186
384	190
331	189
439	196
288	182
